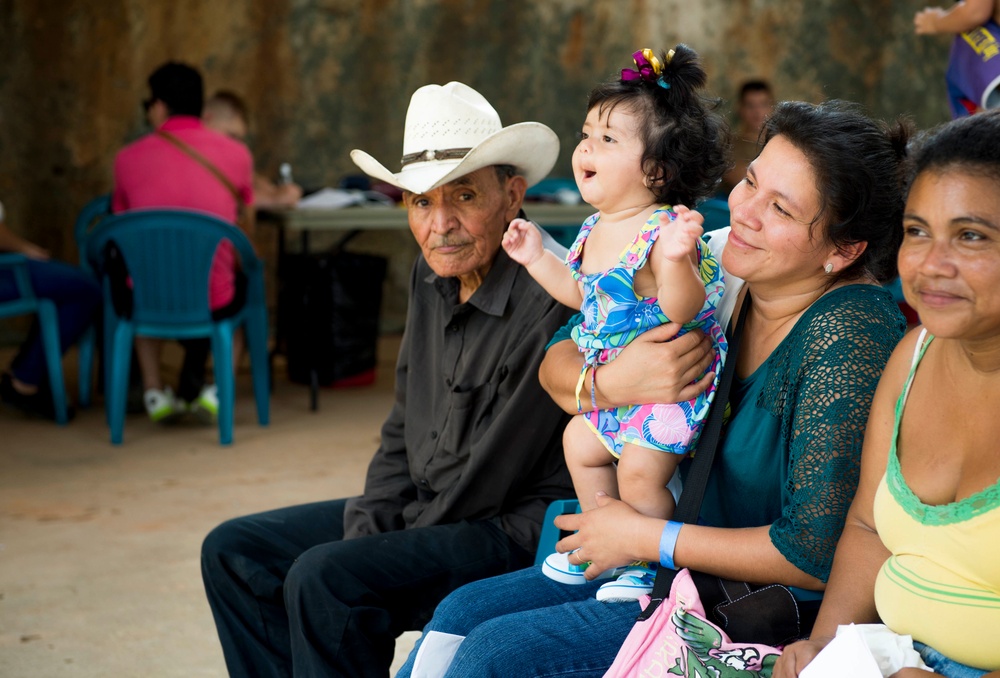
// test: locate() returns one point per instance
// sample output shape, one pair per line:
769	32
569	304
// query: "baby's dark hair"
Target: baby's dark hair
686	142
859	170
970	144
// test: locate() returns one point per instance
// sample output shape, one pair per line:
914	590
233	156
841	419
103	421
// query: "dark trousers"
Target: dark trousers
291	597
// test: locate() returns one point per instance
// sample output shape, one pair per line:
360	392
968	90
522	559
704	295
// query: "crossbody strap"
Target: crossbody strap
693	493
204	162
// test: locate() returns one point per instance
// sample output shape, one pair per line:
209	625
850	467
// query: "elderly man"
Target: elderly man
471	452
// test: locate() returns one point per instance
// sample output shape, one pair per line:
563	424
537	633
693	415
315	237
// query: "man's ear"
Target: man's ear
514	193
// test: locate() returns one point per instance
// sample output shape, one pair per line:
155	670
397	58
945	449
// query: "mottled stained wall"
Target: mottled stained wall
325	76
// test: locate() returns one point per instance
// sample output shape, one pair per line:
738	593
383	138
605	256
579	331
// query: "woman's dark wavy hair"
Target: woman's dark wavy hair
686	143
860	177
970	145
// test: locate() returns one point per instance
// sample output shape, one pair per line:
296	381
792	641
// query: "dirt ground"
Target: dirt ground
99	545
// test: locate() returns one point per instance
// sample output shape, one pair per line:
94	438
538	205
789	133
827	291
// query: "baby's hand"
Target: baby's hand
678	240
523	242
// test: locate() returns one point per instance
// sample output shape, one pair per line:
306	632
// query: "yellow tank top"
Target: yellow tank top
942	583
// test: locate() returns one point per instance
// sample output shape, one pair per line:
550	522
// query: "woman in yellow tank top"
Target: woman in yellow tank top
921	547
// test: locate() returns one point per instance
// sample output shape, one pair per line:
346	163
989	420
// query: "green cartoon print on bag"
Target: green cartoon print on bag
704	658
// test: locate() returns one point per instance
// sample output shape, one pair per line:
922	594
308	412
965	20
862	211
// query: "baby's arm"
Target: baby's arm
963	16
523	243
674	261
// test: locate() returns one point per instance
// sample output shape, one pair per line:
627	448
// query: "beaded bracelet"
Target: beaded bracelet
593	388
579	387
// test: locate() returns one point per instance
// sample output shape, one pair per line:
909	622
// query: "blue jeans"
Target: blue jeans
76	295
948	668
525	624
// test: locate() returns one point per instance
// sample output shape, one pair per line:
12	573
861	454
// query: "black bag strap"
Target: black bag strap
693	493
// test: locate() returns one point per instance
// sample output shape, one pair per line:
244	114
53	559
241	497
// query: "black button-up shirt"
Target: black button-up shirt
471	435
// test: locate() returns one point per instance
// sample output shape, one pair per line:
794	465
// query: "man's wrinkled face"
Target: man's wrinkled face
459	225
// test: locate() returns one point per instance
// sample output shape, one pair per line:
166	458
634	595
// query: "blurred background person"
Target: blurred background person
227	112
973	72
185	165
755	103
24	386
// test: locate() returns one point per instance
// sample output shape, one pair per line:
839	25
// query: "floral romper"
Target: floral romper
614	315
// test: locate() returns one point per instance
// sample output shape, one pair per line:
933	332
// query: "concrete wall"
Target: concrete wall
325	76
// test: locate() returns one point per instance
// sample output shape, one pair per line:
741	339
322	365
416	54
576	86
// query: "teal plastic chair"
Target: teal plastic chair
48	322
168	255
88	218
550	533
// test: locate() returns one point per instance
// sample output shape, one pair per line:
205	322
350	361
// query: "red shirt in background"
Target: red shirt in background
152	173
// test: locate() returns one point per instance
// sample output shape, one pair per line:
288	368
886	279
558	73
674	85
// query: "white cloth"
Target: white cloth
864	651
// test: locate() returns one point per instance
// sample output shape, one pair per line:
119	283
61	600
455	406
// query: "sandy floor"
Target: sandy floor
99	544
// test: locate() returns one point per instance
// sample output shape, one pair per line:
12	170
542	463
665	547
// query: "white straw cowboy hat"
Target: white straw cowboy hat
452	130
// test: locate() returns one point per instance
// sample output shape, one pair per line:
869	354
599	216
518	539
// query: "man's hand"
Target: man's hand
523	242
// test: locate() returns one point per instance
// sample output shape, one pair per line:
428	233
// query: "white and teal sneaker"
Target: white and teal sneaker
557	566
635	582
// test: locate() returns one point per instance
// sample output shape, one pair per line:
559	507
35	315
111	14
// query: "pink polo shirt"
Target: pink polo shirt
152	173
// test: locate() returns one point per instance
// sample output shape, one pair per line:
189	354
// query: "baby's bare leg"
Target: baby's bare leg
589	462
643	474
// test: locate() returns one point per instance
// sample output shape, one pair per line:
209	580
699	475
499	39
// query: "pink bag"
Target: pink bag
677	640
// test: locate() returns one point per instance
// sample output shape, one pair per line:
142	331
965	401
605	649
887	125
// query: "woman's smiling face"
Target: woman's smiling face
949	262
776	235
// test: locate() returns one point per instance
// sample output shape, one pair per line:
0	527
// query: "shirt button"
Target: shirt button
434	435
448	382
423	482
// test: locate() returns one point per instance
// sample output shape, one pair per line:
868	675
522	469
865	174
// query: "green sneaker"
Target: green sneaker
161	406
206	405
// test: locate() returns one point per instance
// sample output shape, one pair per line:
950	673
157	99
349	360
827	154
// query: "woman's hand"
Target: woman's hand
611	535
914	673
796	656
657	368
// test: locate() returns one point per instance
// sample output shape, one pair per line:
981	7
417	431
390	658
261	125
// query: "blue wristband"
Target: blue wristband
668	542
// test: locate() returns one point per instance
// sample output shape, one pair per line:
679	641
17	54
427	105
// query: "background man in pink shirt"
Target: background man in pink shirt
185	165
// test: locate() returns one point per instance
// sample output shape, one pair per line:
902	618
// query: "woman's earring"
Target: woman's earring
828	268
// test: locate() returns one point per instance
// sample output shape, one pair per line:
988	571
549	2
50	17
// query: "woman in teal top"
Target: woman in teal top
814	230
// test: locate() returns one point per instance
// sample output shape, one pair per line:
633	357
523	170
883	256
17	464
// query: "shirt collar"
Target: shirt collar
179	122
492	296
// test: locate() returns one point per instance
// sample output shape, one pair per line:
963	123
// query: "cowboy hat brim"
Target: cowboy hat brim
531	147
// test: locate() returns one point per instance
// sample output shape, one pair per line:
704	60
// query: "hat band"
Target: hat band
424	156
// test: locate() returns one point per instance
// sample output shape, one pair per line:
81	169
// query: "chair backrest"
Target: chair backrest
168	255
86	221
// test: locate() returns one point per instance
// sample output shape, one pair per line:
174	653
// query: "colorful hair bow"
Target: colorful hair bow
649	68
